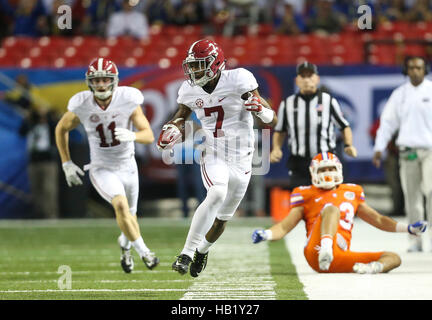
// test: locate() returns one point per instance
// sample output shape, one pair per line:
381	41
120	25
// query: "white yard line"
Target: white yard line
235	270
91	290
28	273
412	280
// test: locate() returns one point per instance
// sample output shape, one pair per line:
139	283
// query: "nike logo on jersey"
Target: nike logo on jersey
221	99
318	199
247	172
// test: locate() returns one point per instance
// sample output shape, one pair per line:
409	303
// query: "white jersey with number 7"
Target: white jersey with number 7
227	126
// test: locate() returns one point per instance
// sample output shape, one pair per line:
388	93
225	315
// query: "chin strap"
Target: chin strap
103	95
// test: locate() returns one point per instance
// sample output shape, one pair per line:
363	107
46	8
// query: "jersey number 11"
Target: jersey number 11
103	143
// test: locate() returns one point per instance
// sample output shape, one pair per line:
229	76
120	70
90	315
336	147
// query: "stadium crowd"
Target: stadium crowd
227	17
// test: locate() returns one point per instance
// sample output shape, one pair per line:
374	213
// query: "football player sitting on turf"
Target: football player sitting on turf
225	102
107	112
328	208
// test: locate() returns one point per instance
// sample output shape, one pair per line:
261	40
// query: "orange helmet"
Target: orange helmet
326	179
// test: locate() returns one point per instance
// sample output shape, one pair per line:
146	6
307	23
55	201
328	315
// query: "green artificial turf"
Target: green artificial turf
32	251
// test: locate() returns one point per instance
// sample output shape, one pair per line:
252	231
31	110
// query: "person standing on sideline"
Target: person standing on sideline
107	113
409	111
39	129
308	118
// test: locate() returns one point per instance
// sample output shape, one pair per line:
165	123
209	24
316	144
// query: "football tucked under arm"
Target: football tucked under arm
172	133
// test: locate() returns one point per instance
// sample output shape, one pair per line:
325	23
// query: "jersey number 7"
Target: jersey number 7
219	119
103	143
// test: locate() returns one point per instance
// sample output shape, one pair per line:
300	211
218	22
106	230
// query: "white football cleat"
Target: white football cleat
126	258
325	258
369	268
126	261
150	260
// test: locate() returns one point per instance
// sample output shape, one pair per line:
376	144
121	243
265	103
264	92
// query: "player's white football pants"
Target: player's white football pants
120	180
226	184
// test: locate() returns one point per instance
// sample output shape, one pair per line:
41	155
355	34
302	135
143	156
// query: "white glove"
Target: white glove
124	135
417	227
71	171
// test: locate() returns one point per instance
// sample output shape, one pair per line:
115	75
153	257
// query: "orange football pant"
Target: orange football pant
343	261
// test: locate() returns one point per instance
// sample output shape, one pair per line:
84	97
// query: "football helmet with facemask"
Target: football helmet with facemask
102	68
204	59
326	179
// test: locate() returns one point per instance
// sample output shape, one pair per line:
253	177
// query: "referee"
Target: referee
308	118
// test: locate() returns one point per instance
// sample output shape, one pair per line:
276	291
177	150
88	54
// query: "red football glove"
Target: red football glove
169	136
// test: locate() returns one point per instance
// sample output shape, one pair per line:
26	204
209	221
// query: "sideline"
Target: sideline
411	281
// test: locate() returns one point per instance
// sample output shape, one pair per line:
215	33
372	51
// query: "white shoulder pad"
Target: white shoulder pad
245	81
78	99
132	94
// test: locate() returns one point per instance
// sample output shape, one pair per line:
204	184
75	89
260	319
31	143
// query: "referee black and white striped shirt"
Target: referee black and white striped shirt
309	121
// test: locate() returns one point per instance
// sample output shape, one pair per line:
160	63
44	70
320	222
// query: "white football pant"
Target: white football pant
226	184
121	180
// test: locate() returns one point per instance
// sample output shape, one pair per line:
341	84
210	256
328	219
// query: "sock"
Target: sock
326	242
124	242
377	267
203	219
140	247
204	246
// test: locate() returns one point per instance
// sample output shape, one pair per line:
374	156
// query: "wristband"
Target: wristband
401	227
266	115
268	234
66	163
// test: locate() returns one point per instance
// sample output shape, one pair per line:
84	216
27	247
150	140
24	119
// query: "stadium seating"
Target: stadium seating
170	43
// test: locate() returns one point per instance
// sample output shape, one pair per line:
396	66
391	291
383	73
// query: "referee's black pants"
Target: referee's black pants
298	171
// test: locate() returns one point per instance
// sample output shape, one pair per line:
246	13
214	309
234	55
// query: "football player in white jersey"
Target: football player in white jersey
225	102
107	113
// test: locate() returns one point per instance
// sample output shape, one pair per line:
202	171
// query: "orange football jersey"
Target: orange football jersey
347	197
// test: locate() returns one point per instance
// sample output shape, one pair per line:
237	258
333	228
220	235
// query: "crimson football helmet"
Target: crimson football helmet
327	179
102	68
204	56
